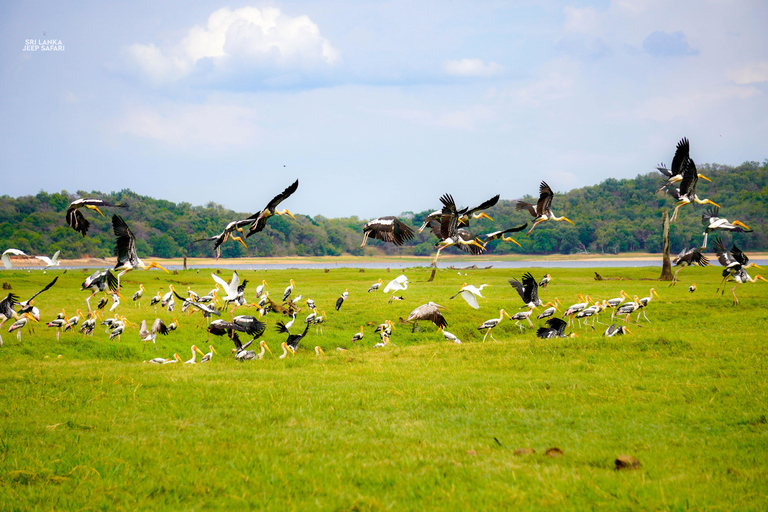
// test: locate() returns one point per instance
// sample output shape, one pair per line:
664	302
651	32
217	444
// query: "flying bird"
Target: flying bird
470	294
53	261
227	234
293	339
675	173
686	194
158	327
713	222
387	229
528	290
125	249
556	329
500	234
542	210
688	259
99	281
450	234
75	218
11	252
259	220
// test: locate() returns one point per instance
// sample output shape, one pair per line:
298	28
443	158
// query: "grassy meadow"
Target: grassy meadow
422	425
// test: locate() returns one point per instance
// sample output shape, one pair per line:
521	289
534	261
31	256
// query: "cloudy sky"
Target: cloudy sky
378	107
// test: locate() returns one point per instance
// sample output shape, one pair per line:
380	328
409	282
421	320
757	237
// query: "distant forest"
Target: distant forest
614	216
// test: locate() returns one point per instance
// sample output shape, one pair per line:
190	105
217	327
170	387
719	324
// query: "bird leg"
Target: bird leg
704	244
365	238
733	291
674	278
486	335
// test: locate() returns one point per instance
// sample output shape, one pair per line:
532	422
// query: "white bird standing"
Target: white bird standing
288	291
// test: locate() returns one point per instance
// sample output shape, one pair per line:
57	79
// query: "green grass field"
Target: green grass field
423	425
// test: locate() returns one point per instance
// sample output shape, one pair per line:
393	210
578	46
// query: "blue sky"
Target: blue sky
378	107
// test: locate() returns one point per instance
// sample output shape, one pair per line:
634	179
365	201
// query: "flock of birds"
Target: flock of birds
449	224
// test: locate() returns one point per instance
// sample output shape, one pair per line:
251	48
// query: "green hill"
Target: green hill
613	216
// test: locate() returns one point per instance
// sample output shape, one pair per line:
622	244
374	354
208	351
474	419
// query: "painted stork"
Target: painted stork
99	281
286	350
449	336
426	312
542	210
545	281
75	218
500	234
374	288
125	250
288	291
733	261
318	322
692	288
209	356
259	220
489	325
261	288
27	306
687	192
53	261
450	234
157	299
138	294
528	290
146	335
59	322
688	259
387	229
612	330
556	329
205	309
522	315
293	339
319	351
103	301
358	335
742	277
470	294
194	356
340	300
21	322
550	311
227	234
713	222
675	173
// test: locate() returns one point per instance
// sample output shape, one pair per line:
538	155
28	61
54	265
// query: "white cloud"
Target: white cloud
472	67
259	37
751	74
580	19
193	126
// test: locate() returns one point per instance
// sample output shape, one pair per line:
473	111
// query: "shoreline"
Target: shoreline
301	260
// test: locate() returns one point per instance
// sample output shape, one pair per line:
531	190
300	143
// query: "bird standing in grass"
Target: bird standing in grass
138	294
340	300
374	288
194	356
449	336
358	335
489	325
209	356
428	312
612	330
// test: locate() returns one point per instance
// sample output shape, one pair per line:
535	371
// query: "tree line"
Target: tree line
613	216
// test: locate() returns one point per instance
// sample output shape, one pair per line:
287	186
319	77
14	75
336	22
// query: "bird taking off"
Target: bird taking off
542	210
77	221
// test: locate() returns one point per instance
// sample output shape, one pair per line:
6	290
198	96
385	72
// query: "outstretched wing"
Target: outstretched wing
681	155
484	206
545	198
125	246
282	196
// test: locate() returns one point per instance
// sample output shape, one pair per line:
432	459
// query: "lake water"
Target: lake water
396	265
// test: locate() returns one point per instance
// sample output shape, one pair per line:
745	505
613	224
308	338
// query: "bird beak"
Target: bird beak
97	209
268	350
739	223
627	328
656	294
199	351
757	266
701	176
713	203
293	352
286	212
569	220
482	214
510	239
214	350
